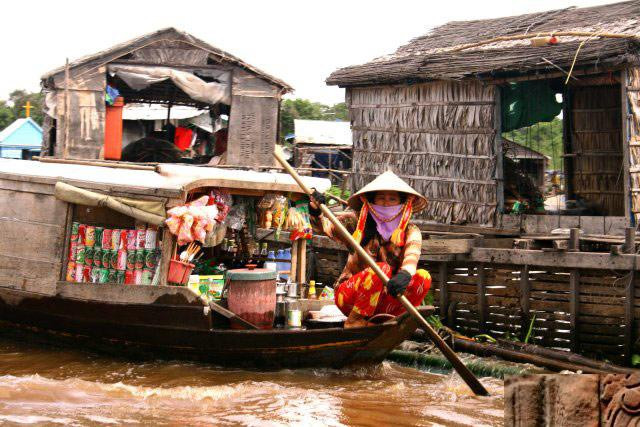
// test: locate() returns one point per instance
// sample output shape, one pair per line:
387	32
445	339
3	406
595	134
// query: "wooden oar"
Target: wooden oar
451	356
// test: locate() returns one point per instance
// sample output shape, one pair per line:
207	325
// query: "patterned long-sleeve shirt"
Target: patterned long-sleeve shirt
405	257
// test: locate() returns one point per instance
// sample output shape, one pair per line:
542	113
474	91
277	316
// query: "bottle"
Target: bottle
286	262
279	268
271	264
263	251
312	289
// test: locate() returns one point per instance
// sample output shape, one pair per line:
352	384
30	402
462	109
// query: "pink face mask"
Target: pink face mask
382	217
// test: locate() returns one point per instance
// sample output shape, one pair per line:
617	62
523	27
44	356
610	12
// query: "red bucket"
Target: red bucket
179	272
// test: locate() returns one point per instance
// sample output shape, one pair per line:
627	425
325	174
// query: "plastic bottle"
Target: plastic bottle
286	265
271	262
279	258
312	289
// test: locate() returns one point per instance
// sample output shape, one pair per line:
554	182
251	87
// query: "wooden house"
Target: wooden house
167	67
435	111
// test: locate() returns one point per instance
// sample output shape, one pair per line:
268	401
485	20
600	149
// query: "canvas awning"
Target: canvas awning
139	77
150	212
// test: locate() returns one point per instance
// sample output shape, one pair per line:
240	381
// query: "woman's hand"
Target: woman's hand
315	200
398	283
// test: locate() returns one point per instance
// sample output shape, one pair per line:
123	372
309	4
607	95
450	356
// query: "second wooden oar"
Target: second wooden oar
468	377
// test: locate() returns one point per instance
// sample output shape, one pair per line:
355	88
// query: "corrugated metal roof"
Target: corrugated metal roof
513	150
322	132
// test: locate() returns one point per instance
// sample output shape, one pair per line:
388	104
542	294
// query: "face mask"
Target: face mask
382	216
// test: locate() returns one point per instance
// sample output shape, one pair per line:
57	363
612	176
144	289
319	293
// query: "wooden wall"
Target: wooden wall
80	133
253	121
438	136
596	147
32	226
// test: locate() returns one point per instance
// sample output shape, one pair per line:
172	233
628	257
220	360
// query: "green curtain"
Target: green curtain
527	103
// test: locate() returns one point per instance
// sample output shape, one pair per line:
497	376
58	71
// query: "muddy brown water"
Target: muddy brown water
47	385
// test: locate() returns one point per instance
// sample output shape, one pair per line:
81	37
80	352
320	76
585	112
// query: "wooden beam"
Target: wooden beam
499	174
447	246
594	260
626	154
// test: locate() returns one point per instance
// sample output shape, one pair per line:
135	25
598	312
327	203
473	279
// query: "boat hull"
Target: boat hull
174	331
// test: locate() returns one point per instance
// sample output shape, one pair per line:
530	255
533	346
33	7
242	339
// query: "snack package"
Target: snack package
265	210
300	221
279	211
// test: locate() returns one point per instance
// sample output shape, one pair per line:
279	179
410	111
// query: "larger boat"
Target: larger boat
146	320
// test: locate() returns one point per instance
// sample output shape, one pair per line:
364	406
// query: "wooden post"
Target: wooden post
574	239
293	267
626	163
67	241
525	302
629	240
574	286
629	296
482	299
168	242
302	261
444	292
499	177
67	107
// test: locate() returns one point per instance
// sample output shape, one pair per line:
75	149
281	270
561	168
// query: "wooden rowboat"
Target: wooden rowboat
142	320
173	327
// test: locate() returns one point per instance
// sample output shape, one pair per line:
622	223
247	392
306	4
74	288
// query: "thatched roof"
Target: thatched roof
437	54
163	38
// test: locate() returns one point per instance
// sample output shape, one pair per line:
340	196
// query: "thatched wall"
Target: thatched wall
596	145
437	136
633	97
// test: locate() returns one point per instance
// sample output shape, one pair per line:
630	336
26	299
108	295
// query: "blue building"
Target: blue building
22	139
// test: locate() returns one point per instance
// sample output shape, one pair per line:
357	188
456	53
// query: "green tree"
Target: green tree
6	115
19	98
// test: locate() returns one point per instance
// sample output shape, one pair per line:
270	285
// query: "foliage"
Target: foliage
13	108
435	322
335	190
545	137
298	108
635	359
530	330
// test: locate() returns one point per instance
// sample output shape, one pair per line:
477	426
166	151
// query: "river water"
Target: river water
44	385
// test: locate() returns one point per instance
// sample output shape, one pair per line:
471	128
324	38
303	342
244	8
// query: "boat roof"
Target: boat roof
167	180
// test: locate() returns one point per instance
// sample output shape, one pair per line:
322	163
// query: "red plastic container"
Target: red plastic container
113	130
179	272
252	296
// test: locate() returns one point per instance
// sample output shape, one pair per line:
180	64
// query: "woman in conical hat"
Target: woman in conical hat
380	222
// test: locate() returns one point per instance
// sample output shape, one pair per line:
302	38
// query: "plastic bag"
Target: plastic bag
279	211
237	217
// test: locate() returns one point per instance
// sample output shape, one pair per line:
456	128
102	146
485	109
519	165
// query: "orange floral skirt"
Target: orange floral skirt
365	293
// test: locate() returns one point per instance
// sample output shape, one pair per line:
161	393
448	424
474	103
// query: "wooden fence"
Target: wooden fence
587	311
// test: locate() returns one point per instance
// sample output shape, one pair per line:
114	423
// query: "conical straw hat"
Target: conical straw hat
388	181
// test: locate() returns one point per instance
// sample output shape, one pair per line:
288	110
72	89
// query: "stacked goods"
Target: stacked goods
105	255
